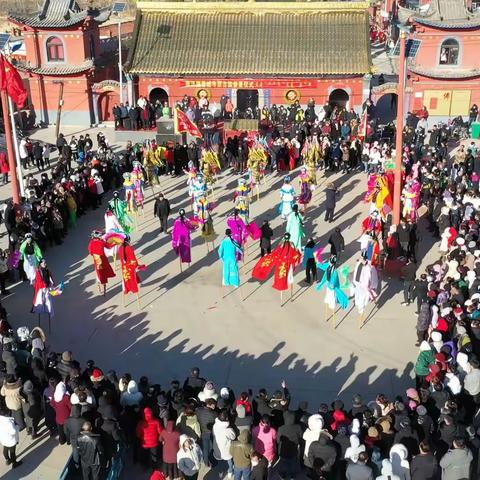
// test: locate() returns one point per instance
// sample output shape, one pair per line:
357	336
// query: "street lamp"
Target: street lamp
118	8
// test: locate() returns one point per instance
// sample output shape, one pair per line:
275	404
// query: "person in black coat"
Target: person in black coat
161	209
32	407
72	428
91	452
266	238
424	466
110	432
206	418
259	467
407	436
337	243
289	436
322	452
331	194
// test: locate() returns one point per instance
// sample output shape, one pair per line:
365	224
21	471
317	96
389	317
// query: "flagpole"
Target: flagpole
10	149
15	147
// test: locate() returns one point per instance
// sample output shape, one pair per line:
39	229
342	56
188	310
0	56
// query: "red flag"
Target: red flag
184	124
12	83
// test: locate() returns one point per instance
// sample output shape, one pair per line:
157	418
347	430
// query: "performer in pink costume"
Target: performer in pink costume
181	241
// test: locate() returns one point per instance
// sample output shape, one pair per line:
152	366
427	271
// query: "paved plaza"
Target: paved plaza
184	321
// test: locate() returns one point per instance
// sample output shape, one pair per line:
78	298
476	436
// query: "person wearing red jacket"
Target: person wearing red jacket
148	432
62	406
4	167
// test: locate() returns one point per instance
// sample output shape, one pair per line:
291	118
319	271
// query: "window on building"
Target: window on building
55	51
449	52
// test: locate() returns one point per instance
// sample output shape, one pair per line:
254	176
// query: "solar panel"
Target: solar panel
119	7
4	37
410	51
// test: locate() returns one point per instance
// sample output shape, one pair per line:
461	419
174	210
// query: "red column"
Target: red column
397	190
10	150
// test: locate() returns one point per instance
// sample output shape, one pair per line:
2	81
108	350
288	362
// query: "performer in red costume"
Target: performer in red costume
130	266
96	248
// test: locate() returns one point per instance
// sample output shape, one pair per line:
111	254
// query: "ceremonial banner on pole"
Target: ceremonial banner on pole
184	124
12	83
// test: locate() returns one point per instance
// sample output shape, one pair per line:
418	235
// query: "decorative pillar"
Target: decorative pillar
129	89
96	114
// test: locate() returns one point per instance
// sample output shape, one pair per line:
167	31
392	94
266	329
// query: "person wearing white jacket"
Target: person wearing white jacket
9	438
312	433
400	463
189	457
387	471
223	435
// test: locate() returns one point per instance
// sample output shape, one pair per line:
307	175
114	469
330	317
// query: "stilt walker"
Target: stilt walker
42	303
364	285
120	209
284	259
130	267
228	254
333	293
181	240
31	255
287	195
239	231
295	227
96	248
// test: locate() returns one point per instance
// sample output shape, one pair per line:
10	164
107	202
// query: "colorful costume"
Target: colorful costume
31	255
285	258
239	231
210	166
138	184
295	228
228	254
96	248
181	241
242	201
372	223
257	161
331	280
129	262
411	199
42	302
287	194
129	187
305	187
120	209
365	284
198	193
312	155
379	194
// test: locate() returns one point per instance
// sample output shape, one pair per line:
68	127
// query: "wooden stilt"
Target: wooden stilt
123	298
115	258
181	268
334	323
224	291
49	323
258	193
281	296
361	319
104	289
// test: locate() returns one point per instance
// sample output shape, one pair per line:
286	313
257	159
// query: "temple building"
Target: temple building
66	66
443	64
257	53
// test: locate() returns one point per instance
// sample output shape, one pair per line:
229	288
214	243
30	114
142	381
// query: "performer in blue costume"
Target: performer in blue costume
295	227
228	254
287	195
333	293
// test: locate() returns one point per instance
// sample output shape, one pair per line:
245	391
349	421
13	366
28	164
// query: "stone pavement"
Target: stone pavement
185	322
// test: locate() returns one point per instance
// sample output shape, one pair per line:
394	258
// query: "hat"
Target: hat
412	393
373	432
475	296
97	375
224	392
460	241
476	253
357	400
421	410
436	337
432	294
445	311
386	426
471	244
67	356
337	405
468	303
458	311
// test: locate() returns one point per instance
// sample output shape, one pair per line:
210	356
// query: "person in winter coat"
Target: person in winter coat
13	399
62	406
241	451
170	440
188	424
259	467
148	432
337	243
399	459
425	358
72	428
9	438
32	408
131	397
189	458
206	418
322	453
242	420
387	471
407	436
110	432
456	463
331	197
161	210
208	392
289	437
163	409
91	453
354	450
4	167
223	436
265	439
360	470
312	434
424	466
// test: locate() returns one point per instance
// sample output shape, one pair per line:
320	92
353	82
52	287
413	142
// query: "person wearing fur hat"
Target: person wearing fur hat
208	392
189	458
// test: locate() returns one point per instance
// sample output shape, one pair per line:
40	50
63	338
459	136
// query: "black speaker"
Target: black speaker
165	126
